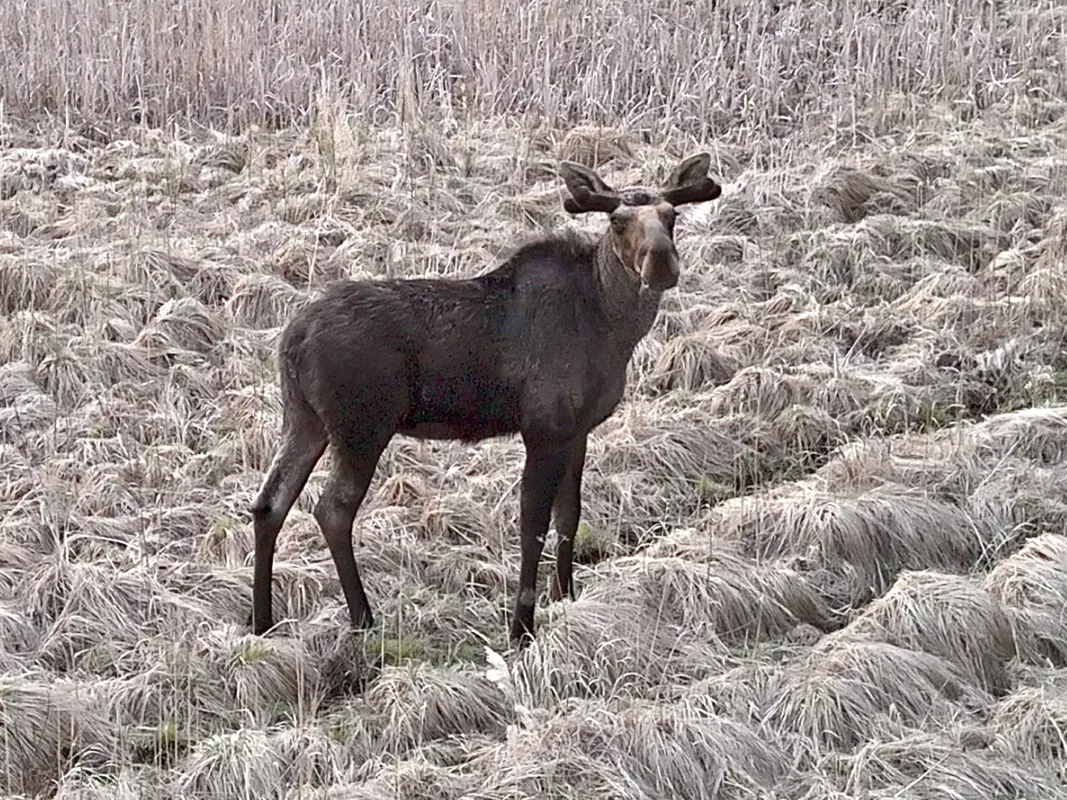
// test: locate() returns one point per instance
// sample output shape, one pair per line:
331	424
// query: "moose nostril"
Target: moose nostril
659	266
660	253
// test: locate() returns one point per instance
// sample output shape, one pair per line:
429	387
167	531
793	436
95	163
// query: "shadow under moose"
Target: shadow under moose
538	346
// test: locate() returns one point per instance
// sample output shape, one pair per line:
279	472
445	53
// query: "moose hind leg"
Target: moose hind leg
336	511
301	449
567	510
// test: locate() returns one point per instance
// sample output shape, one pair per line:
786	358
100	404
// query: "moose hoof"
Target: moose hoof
363	623
555	593
522	631
259	626
520	640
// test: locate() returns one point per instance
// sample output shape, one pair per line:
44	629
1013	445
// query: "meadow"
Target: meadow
823	550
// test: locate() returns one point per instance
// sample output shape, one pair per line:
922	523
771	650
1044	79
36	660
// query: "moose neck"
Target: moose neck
630	310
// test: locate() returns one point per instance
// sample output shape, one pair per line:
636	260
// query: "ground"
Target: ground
823	550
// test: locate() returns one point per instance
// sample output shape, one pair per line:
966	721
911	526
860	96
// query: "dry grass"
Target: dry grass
686	64
822	551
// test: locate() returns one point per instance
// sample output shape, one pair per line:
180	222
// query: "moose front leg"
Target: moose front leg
541	477
567	511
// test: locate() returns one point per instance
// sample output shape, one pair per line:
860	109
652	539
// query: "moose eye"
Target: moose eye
618	224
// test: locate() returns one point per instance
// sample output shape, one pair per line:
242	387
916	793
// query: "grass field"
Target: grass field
823	549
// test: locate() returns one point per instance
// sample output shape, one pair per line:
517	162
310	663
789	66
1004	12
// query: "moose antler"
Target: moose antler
699	192
689	182
582	202
588	190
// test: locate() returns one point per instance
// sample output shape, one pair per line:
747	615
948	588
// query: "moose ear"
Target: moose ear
588	190
689	182
690	171
581	179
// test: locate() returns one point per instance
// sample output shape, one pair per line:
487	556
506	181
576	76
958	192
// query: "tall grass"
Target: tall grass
708	67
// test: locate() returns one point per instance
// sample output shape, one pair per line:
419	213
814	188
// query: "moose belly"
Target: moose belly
468	432
469	425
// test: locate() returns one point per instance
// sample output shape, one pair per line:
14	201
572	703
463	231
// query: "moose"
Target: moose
537	346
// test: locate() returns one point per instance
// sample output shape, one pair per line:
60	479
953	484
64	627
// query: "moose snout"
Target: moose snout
659	266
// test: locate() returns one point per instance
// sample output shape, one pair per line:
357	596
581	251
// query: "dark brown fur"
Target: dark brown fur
538	346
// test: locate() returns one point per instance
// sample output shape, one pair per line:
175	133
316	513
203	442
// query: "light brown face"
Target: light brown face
643	240
642	220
